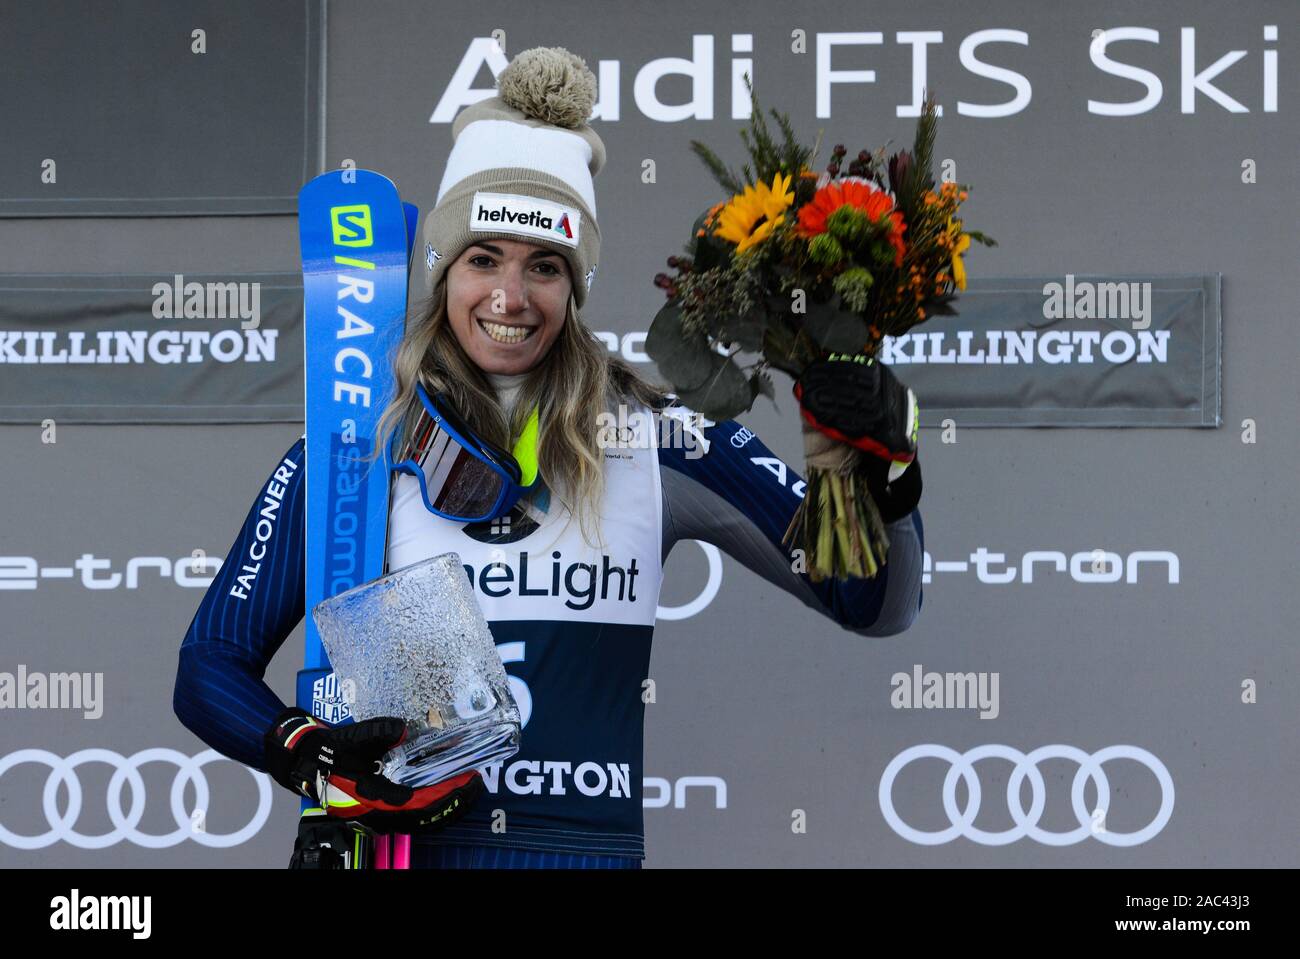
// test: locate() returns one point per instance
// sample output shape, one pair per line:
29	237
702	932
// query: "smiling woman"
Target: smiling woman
510	250
506	303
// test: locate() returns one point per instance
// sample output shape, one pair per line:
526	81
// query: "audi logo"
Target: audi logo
962	765
711	587
126	772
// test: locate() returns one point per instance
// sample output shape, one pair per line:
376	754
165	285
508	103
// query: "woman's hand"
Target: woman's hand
897	497
858	400
338	767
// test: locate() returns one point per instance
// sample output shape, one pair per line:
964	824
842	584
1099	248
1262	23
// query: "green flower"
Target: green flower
854	284
849	225
825	250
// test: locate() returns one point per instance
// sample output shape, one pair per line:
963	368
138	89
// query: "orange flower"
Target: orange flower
858	194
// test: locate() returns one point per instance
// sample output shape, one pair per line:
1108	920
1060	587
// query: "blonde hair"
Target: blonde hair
576	381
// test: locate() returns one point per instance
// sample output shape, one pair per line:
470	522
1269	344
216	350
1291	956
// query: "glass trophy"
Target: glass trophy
414	644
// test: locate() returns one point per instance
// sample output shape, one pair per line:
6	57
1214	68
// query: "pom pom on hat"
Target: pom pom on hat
550	84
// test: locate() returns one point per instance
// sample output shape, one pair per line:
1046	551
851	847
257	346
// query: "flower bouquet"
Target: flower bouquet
806	273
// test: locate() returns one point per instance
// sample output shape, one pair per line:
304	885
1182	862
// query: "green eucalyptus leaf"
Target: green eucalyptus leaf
835	329
725	394
778	344
682	357
745	329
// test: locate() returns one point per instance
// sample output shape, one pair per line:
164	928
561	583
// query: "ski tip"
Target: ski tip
351	177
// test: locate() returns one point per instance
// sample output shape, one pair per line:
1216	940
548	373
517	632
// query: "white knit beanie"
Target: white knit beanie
521	168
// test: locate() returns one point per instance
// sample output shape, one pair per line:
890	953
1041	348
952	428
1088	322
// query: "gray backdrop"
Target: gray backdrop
788	710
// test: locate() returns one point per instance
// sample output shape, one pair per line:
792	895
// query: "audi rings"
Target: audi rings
126	772
707	595
962	822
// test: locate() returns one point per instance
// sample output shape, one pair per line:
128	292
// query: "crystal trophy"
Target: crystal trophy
414	644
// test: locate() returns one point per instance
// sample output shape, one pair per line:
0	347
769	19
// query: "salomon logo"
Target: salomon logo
352	225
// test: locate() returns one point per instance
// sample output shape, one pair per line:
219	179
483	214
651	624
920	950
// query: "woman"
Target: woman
569	578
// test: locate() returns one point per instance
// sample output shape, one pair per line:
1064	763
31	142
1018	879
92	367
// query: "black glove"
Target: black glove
325	842
338	768
860	402
896	498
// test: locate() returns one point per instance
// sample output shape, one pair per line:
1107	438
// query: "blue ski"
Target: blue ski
356	238
412	227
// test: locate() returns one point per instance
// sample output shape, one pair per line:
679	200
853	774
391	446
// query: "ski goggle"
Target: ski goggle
464	477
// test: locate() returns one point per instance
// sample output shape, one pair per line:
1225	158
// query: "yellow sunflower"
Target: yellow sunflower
750	217
960	244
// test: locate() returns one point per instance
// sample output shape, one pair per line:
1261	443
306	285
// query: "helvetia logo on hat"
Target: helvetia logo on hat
525	215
